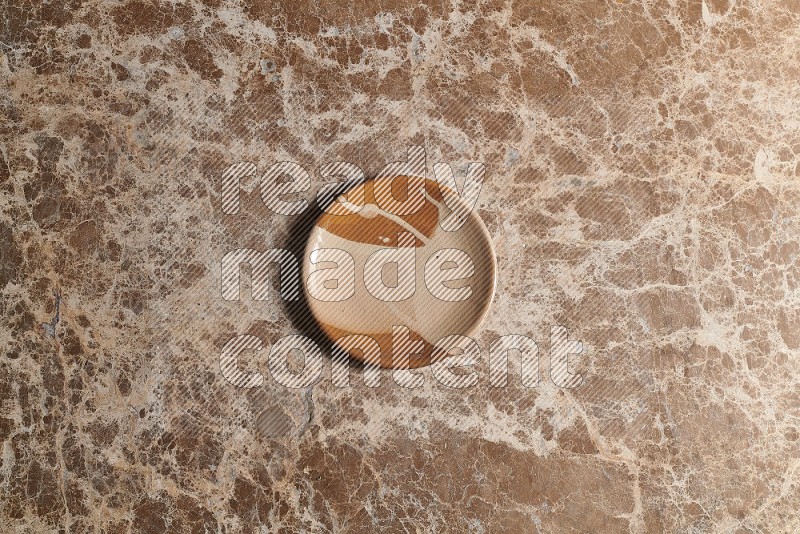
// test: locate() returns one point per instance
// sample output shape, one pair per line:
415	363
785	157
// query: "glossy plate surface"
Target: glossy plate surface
374	271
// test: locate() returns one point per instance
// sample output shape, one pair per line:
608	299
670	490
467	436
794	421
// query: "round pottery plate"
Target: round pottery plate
396	269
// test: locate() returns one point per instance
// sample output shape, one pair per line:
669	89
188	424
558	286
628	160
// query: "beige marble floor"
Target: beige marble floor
642	190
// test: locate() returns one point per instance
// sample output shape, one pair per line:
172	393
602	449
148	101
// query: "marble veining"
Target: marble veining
642	190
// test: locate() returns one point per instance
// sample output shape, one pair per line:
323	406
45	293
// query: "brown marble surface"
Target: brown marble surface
642	166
